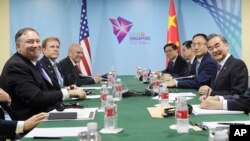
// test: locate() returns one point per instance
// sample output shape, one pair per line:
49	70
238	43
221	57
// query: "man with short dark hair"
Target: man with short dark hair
30	88
205	67
176	62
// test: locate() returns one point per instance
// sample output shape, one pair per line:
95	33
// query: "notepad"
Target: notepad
198	111
68	115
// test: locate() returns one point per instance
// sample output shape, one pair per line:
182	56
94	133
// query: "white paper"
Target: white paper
92	96
82	114
90	88
198	111
113	131
172	96
55	132
214	124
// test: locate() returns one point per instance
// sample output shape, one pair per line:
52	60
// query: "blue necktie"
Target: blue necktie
42	72
58	75
197	67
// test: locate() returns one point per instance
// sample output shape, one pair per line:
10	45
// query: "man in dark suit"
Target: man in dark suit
70	68
204	69
232	74
30	88
176	63
51	50
189	56
227	102
9	129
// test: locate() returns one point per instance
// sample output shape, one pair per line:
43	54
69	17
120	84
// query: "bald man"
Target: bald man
70	68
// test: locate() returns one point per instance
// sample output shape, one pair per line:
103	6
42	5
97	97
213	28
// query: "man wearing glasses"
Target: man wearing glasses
176	63
205	67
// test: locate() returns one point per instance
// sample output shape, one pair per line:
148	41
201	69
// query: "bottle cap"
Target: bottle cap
109	97
92	126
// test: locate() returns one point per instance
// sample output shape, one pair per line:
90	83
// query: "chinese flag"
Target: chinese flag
172	33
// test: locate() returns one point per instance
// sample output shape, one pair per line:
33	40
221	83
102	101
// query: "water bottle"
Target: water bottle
113	72
110	116
145	76
164	96
155	84
83	136
111	79
93	134
118	90
182	116
103	96
138	72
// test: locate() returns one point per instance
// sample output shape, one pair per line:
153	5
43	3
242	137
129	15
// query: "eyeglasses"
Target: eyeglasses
198	44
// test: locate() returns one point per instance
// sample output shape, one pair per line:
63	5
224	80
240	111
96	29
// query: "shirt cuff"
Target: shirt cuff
65	94
224	102
19	127
176	83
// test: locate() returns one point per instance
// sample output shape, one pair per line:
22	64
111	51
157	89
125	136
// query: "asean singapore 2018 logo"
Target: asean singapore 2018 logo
121	27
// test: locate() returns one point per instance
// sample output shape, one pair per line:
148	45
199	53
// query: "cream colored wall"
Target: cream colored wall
246	33
4	32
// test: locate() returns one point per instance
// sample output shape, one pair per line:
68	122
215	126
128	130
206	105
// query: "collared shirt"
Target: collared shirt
224	60
224	103
63	90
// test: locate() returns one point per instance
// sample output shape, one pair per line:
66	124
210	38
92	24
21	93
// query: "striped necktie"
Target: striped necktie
58	75
43	73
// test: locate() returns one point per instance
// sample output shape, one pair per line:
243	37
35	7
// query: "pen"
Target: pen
43	137
227	123
203	127
207	92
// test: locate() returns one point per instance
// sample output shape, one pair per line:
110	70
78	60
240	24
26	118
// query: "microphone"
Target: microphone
185	77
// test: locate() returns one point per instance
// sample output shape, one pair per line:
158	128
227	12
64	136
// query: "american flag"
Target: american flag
85	64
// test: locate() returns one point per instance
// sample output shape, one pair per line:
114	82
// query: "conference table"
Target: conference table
136	121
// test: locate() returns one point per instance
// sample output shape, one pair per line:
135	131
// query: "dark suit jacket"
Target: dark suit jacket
206	71
178	68
232	79
240	103
71	76
47	66
29	91
7	129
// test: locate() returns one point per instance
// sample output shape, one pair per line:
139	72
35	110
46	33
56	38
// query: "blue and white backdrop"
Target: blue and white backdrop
145	22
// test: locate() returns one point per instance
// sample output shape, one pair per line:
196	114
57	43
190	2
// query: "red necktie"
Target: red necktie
77	69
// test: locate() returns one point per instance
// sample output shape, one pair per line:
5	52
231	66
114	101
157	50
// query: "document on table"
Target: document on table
198	111
82	114
214	124
90	88
172	96
92	96
55	132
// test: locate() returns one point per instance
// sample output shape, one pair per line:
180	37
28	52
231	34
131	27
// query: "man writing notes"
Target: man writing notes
229	85
232	73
